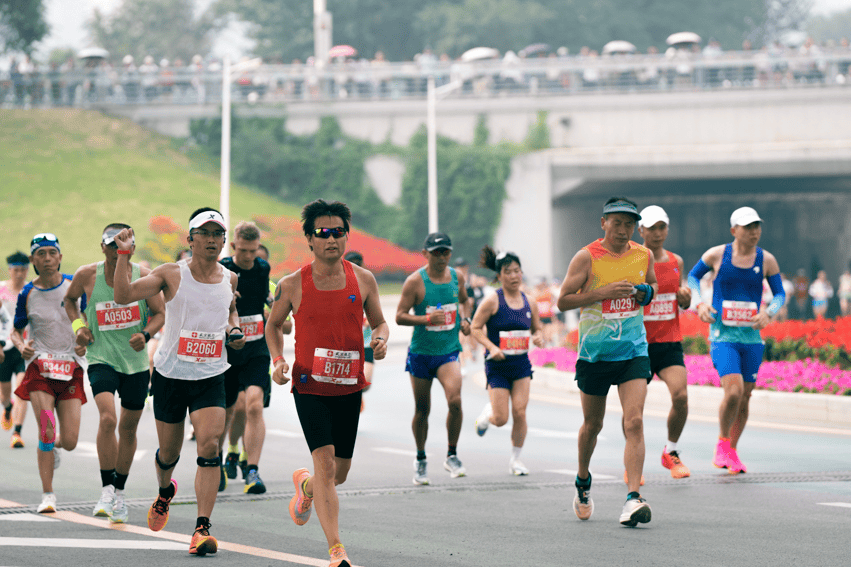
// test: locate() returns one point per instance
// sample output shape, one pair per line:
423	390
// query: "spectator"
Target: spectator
802	287
148	70
821	291
845	292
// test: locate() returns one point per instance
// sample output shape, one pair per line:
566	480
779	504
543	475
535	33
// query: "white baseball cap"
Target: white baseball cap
205	217
651	215
744	216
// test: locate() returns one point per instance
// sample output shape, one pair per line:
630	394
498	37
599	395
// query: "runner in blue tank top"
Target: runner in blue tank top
438	296
512	322
735	320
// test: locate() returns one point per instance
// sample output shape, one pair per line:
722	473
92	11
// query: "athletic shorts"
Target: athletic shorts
503	373
255	372
595	378
329	420
737	358
13	364
173	398
368	355
663	355
131	388
72	389
425	365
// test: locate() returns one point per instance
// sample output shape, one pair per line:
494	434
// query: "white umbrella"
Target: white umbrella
683	37
93	53
479	53
618	46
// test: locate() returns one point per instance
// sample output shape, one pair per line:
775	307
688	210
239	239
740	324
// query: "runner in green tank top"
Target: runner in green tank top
438	295
118	361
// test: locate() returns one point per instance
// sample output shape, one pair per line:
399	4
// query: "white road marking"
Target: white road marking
283	433
26	518
394	451
556	434
569	472
837	504
91	543
89	450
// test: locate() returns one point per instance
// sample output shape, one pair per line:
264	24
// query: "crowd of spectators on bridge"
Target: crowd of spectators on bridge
536	69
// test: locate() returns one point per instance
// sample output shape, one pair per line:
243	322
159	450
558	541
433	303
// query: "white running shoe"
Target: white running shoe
517	468
635	511
483	420
454	466
420	472
48	503
57	457
104	506
119	509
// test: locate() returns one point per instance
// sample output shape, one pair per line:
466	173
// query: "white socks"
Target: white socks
515	453
670	446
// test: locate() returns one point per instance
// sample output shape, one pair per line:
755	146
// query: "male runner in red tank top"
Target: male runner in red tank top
662	323
328	299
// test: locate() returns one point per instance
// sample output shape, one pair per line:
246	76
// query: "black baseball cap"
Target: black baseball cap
436	241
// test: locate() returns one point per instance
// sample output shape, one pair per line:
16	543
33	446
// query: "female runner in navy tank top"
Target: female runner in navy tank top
512	323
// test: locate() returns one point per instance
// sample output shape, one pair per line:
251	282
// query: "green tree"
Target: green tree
162	28
22	24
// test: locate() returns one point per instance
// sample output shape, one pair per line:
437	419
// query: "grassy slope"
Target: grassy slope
72	172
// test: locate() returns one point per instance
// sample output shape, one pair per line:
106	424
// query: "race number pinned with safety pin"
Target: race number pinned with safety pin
450	314
56	366
662	308
115	316
200	347
339	367
514	342
738	313
252	327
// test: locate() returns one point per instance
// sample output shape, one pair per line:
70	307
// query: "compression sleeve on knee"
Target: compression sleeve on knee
700	269
202	462
775	282
163	465
46	447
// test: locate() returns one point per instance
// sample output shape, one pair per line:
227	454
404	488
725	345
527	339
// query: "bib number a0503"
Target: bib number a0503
620	308
253	327
340	367
56	366
514	342
662	308
738	313
115	316
200	347
450	314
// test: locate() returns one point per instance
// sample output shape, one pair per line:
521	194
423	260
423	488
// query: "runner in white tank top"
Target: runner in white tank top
189	365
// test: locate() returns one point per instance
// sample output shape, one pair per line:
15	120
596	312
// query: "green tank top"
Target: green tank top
112	325
438	339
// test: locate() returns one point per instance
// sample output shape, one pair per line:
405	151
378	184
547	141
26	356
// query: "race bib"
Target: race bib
514	342
450	314
662	308
56	366
336	366
114	316
195	346
252	327
738	313
620	308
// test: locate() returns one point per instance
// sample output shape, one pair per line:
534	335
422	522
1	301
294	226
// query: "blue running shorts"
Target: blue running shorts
425	365
737	358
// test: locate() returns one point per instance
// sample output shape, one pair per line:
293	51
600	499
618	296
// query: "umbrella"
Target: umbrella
93	53
618	46
683	37
478	53
342	51
533	49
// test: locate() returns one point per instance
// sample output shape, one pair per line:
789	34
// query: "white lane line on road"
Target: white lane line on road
837	504
394	451
89	450
569	472
91	543
555	434
26	518
282	433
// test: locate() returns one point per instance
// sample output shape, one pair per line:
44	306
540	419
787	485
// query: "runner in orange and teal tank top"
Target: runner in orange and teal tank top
611	280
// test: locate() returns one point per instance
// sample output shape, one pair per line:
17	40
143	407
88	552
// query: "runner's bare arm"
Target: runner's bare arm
156	309
233	318
281	308
25	348
374	315
81	283
537	326
463	304
684	291
486	310
413	291
649	279
125	291
571	294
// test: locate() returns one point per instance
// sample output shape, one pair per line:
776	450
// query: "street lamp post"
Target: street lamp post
434	93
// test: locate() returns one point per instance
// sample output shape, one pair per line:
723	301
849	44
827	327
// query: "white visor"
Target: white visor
110	234
207	216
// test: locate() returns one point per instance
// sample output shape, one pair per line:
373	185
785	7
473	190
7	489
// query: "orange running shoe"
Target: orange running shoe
158	513
301	502
339	557
7	418
626	480
202	542
672	461
16	442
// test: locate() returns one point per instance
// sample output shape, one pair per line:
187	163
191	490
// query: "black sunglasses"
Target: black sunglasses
338	232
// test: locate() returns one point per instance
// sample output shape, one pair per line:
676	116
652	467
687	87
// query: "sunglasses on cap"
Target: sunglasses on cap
43	239
337	232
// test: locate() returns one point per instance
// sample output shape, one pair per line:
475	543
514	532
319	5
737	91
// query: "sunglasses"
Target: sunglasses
338	232
44	237
203	233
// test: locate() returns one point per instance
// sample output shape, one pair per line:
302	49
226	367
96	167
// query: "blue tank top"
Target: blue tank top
736	296
509	329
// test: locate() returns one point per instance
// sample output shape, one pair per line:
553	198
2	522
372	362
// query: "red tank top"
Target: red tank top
662	316
329	338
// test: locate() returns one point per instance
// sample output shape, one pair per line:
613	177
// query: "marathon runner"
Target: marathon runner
328	299
54	362
115	335
736	319
12	364
438	295
610	279
190	363
512	321
543	296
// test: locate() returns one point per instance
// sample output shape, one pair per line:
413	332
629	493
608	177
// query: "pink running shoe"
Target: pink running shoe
722	453
734	465
301	502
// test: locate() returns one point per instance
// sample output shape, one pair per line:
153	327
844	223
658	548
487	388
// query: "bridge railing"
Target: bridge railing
364	80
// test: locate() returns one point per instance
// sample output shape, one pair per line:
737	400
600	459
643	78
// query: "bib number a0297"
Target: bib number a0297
622	308
738	313
56	366
340	367
514	342
450	314
115	316
252	327
662	308
200	347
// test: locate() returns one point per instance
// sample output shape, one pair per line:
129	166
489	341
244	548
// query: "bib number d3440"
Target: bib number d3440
56	366
340	367
200	347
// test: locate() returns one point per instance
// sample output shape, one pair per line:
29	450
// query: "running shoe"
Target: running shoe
301	502
243	465
158	513
57	457
231	463
339	557
223	478
48	503
7	419
483	420
454	466
420	472
672	462
583	505
254	484
202	542
722	456
16	442
104	506
734	465
517	468
626	479
635	511
120	512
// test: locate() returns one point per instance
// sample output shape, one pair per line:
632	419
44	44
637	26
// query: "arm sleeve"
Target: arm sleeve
700	269
21	320
775	282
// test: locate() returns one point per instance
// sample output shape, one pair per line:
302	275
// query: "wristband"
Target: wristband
469	320
277	358
78	324
380	339
147	336
125	252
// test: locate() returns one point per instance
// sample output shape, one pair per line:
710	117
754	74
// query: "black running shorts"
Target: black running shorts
329	420
595	378
173	398
131	388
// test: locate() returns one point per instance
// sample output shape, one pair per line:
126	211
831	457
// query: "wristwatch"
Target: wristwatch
147	335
